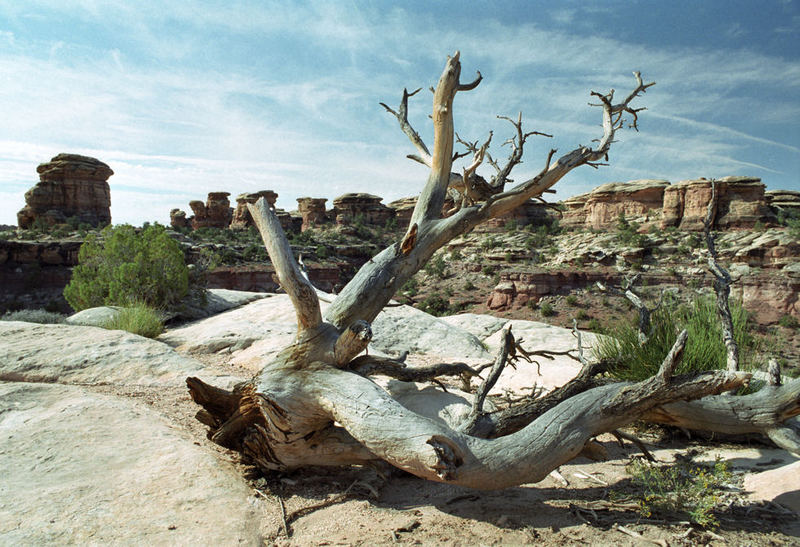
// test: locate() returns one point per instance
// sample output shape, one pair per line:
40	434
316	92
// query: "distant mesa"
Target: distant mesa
69	186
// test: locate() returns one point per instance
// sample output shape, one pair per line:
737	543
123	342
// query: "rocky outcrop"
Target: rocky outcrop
216	212
177	219
349	206
69	186
403	209
313	212
741	204
639	200
784	201
241	216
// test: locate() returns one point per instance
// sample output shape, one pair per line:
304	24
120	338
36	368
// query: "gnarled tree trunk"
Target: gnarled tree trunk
310	405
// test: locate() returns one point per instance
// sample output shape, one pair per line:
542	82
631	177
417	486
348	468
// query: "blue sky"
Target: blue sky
184	98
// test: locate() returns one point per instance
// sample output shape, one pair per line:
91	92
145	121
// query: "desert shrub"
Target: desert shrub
681	488
138	318
33	316
572	300
704	350
628	233
410	287
437	267
469	285
582	315
547	310
121	266
435	304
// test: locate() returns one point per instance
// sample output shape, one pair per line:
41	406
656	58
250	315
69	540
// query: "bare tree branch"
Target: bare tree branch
297	286
401	114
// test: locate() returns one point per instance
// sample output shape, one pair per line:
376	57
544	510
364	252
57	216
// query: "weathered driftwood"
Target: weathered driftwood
310	406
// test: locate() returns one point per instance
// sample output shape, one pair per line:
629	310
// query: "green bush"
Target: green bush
138	318
435	305
705	349
121	267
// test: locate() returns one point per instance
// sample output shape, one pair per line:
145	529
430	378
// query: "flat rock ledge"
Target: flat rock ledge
30	352
84	468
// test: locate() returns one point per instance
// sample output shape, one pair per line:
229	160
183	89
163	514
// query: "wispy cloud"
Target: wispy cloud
241	97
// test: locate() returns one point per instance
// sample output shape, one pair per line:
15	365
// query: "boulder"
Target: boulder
69	186
31	352
84	468
94	317
216	212
241	216
781	485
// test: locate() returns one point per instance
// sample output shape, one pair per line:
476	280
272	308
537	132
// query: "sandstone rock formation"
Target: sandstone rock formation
69	186
403	208
312	210
639	200
346	207
241	216
784	200
215	213
177	219
741	203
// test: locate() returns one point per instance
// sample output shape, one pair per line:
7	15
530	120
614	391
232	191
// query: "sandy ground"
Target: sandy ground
366	506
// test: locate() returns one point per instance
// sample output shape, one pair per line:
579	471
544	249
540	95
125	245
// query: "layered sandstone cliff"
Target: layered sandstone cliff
639	200
70	186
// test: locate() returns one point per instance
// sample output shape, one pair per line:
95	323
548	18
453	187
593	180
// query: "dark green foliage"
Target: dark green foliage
705	349
628	233
437	267
435	304
547	310
120	266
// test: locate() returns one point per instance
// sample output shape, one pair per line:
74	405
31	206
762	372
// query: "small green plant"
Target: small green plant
679	489
410	288
490	243
582	315
789	322
138	318
572	300
595	326
469	286
33	316
487	270
547	310
628	233
512	225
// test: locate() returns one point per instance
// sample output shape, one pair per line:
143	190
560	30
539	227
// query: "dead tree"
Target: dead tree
310	406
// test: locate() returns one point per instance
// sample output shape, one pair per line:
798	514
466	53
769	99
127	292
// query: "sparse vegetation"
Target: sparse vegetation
789	322
138	318
679	489
33	316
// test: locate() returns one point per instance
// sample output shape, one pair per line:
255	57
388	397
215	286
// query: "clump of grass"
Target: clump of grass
138	318
679	489
705	349
546	310
33	316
